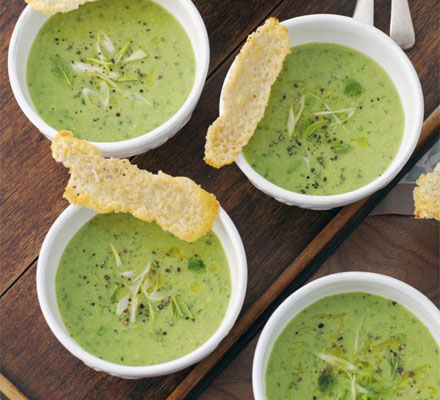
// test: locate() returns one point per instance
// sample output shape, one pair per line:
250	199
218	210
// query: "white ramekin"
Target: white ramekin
28	26
63	229
381	48
343	282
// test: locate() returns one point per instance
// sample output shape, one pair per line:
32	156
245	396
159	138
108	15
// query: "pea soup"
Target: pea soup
133	294
334	122
110	70
354	346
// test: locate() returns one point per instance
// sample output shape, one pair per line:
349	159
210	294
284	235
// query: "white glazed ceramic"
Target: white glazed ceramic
28	26
377	284
375	44
65	227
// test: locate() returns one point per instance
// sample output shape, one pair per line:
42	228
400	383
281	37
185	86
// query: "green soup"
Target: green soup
110	70
133	294
334	122
354	346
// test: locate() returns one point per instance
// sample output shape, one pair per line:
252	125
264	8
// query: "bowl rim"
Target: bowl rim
134	372
121	148
348	277
330	201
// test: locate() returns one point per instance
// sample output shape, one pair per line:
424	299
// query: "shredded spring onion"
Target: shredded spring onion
342	110
336	361
136	55
116	254
94	70
122	304
293	119
104	43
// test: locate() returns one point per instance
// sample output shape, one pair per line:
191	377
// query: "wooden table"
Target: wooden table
31	187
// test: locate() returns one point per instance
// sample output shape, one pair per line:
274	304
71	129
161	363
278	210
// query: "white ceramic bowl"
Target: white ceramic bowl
28	26
65	227
377	284
375	44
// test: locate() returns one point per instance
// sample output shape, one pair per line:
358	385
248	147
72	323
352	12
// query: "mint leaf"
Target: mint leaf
61	69
353	88
194	264
326	382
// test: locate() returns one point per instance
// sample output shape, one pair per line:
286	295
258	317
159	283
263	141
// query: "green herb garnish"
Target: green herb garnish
62	70
126	78
122	51
116	255
353	88
362	141
195	264
342	148
311	128
326	381
175	308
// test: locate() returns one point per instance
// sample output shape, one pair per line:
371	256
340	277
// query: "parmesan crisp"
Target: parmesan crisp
106	185
55	6
247	92
427	195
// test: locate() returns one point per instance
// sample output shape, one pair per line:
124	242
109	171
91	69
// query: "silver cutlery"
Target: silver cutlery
401	27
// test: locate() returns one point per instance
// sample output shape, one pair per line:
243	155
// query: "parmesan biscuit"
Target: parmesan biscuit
427	195
55	6
247	92
106	185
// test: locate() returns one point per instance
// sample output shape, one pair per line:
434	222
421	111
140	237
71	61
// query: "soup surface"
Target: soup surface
334	122
133	294
110	70
354	346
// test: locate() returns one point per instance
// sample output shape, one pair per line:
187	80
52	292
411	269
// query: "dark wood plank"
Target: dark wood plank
42	368
31	182
33	359
398	246
311	257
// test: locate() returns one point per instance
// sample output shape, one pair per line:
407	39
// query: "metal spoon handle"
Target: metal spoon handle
364	11
401	28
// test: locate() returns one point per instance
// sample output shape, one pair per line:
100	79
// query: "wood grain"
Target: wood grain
31	185
324	243
8	389
397	246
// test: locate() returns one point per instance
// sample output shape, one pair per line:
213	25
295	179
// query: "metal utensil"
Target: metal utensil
364	11
401	28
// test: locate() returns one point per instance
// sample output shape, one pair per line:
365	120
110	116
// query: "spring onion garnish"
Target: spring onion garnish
102	98
94	70
142	274
152	313
184	307
307	161
127	78
116	254
356	340
122	304
336	362
293	119
137	97
128	273
134	290
122	51
343	110
104	43
290	122
136	55
175	309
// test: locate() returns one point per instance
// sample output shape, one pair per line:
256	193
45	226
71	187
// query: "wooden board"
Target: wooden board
32	184
395	245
